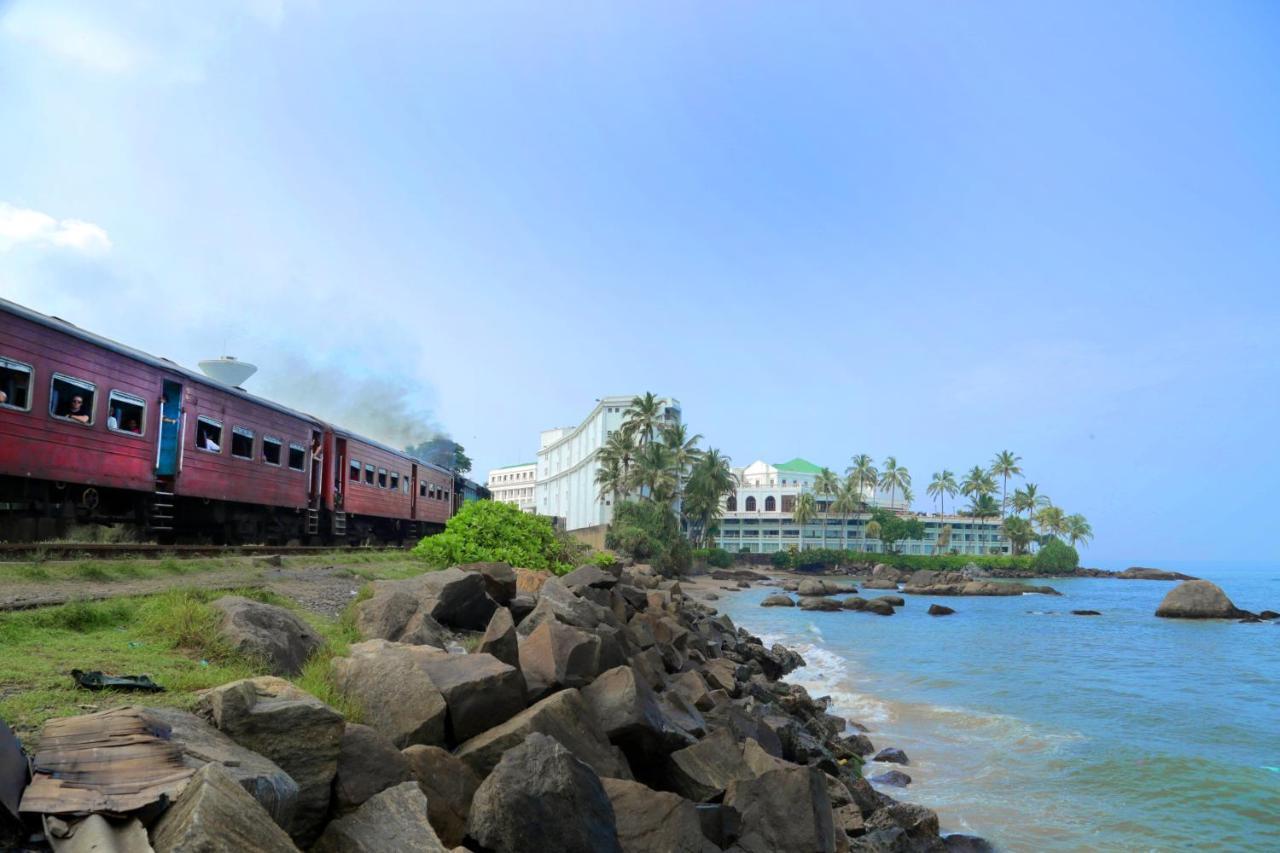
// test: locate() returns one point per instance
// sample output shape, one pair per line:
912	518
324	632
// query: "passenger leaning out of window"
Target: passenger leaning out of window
77	412
4	398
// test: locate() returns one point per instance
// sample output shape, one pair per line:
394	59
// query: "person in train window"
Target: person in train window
207	442
131	425
77	412
4	398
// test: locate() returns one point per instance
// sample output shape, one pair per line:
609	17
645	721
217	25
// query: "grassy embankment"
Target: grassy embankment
171	636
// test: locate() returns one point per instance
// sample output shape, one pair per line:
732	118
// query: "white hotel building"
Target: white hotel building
514	485
566	475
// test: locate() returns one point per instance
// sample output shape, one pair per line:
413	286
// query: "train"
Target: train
94	432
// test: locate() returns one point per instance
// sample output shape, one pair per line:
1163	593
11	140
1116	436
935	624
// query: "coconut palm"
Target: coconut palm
711	480
684	451
942	484
826	484
1077	529
642	418
619	450
1019	533
804	512
1051	520
982	505
894	478
944	539
654	474
864	473
908	496
1029	499
610	478
847	500
1004	466
872	531
977	484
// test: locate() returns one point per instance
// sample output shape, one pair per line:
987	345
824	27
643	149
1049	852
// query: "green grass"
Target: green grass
172	637
109	571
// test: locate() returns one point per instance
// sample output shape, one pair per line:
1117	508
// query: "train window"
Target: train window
15	384
382	478
395	482
241	443
368	473
354	476
72	399
297	456
271	449
126	413
422	490
208	435
406	487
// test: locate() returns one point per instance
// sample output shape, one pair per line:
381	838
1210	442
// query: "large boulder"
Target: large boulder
878	606
892	755
940	610
880	583
786	808
449	785
394	613
267	633
202	744
291	727
563	716
693	687
778	600
393	820
589	576
556	655
500	639
631	716
455	598
367	763
540	798
499	580
1143	573
479	690
556	602
813	586
1197	600
650	821
214	814
703	771
819	603
395	693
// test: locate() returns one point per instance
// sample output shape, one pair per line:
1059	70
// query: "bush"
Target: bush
648	532
717	558
603	559
818	558
781	559
485	531
1056	556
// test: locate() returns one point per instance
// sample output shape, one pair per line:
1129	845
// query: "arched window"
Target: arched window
770	505
731	503
751	503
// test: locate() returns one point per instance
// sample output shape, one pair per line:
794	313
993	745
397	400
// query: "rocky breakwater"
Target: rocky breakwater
925	582
601	711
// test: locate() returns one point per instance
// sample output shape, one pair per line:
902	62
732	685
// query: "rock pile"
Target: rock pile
602	711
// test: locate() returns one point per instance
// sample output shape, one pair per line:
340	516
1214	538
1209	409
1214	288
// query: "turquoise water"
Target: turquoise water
1045	731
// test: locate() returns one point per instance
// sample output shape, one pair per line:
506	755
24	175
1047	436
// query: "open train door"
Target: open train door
170	430
413	494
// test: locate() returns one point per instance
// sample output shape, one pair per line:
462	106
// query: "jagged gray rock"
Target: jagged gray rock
269	633
214	814
556	655
479	691
449	785
397	696
786	808
393	820
650	821
367	763
500	639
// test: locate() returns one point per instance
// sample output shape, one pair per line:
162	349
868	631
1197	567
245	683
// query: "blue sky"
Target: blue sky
933	230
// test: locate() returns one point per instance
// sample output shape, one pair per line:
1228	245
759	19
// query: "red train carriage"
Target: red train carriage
94	431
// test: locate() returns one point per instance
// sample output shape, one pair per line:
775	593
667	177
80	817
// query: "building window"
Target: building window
15	384
354	471
208	435
297	456
72	399
369	471
126	413
751	503
241	443
788	503
271	449
382	478
770	504
731	503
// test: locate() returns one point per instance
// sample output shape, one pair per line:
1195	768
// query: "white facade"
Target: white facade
566	473
515	485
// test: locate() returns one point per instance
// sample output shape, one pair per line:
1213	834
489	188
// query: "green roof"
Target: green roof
799	466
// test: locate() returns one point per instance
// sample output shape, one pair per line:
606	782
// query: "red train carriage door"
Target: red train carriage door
170	430
413	493
315	483
339	471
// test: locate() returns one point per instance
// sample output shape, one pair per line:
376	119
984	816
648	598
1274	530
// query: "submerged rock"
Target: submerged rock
940	610
1198	600
892	755
1142	573
896	778
778	601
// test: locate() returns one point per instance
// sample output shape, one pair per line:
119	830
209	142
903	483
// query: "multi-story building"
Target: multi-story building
759	518
565	483
514	484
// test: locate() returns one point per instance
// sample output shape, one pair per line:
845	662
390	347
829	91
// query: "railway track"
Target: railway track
13	551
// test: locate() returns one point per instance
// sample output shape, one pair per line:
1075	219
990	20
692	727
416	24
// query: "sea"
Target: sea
1040	730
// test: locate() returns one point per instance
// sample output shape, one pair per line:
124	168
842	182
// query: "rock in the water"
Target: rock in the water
556	655
896	778
778	601
449	785
367	763
702	772
920	823
291	727
500	638
651	821
1143	573
892	755
783	809
1269	615
563	716
819	603
878	606
880	583
214	814
479	690
813	586
397	696
967	844
1085	613
266	632
854	602
541	798
1198	600
393	820
202	744
893	600
499	580
940	610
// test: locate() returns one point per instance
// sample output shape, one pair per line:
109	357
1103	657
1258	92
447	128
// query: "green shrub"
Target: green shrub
603	559
486	531
716	557
1056	556
781	559
648	532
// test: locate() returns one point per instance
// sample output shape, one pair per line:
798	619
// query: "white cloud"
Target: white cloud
20	226
71	35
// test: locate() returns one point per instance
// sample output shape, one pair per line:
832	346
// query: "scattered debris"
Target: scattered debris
98	681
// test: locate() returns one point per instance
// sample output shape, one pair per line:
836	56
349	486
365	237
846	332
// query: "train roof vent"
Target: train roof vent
228	370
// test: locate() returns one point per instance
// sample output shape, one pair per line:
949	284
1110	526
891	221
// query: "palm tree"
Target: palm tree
893	478
803	513
826	484
1051	520
944	539
908	496
684	451
977	483
982	505
610	478
642	417
655	471
942	484
1077	529
1005	465
619	451
710	481
846	502
1029	499
873	530
864	473
1019	533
